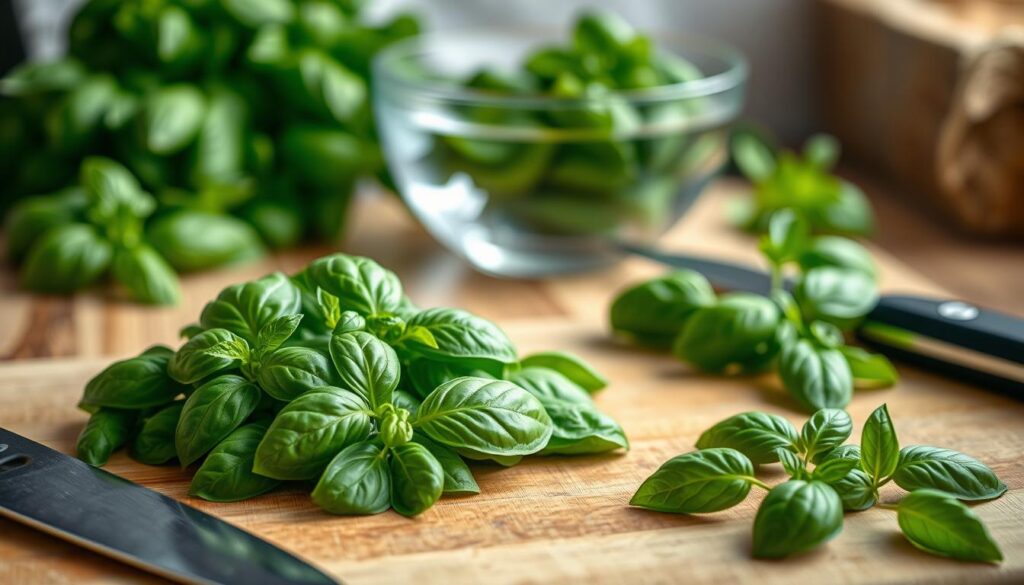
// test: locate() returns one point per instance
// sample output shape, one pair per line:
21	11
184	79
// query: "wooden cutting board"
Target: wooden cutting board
550	519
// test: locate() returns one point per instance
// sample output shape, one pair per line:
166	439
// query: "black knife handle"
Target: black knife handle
981	345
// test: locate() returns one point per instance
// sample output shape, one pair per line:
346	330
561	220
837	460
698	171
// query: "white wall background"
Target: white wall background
776	36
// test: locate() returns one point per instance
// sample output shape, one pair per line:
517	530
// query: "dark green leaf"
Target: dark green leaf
108	430
458	479
879	447
702	481
146	275
226	475
173	116
834	470
792	463
154	445
366	365
254	13
816	377
214	410
463	336
426	375
357	481
136	383
937	523
738	333
275	332
840	296
755	434
66	258
201	356
360	284
654	311
30	218
856	490
795	517
245	309
288	372
827	429
417	479
949	471
310	431
196	240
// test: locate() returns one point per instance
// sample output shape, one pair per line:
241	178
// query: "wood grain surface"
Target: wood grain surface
550	519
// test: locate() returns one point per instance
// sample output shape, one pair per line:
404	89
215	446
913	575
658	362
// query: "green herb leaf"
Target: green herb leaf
154	445
827	429
856	490
245	309
197	240
571	366
458	479
357	481
816	377
794	467
753	156
226	475
276	332
937	523
795	517
288	372
787	237
840	296
702	481
946	470
654	311
366	365
738	333
210	414
755	434
879	447
834	470
66	258
108	430
173	117
417	479
360	284
463	336
822	150
837	252
869	370
194	360
146	275
135	383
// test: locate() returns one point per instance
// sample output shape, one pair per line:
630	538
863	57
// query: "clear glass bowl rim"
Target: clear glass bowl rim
734	75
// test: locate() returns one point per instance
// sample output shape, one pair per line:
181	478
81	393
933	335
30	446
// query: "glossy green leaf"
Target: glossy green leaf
146	275
463	336
569	365
937	523
32	217
288	372
226	474
134	383
245	309
366	365
458	479
275	332
834	470
154	445
197	240
755	434
653	312
856	490
357	481
201	356
840	296
738	333
795	517
946	470
211	413
417	479
879	447
792	464
66	258
108	430
173	116
827	429
869	370
708	480
425	375
815	377
360	284
310	431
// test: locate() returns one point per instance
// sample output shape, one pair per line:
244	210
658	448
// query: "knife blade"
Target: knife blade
108	514
949	336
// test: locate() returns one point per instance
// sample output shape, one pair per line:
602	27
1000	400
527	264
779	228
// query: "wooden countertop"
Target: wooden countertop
550	519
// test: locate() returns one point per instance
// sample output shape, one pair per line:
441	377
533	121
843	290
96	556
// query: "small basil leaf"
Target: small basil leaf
139	382
824	431
816	377
146	275
937	523
795	517
755	434
869	370
275	332
154	445
417	479
255	13
840	452
426	375
403	399
836	295
210	414
753	156
491	417
654	312
738	333
879	447
366	365
357	481
197	240
245	309
360	284
837	252
458	479
834	470
193	363
393	427
463	336
787	237
948	471
856	491
702	481
420	335
310	431
792	464
821	150
288	372
348	322
551	386
30	218
581	429
173	116
226	475
66	258
571	366
108	430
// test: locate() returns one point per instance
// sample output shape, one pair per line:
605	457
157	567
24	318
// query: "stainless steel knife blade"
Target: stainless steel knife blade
110	515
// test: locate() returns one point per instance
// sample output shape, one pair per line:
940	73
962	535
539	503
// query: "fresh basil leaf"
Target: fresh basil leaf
792	464
173	116
826	430
840	452
754	157
404	399
32	217
834	470
816	377
946	470
653	312
581	429
425	375
937	523
837	252
571	366
108	430
787	237
856	491
288	372
134	383
210	414
393	426
549	385
113	190
360	284
219	153
367	366
458	479
420	335
755	434
245	309
357	481
154	445
826	335
840	296
310	431
849	213
146	275
795	517
275	332
330	86
502	460
491	417
348	321
822	150
256	13
463	336
738	333
869	370
879	447
194	362
36	77
708	480
417	479
66	258
226	475
197	240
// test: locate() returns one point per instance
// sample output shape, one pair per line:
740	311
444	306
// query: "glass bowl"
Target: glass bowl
530	185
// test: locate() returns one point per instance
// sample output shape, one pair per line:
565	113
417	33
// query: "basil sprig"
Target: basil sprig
800	335
806	511
333	376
